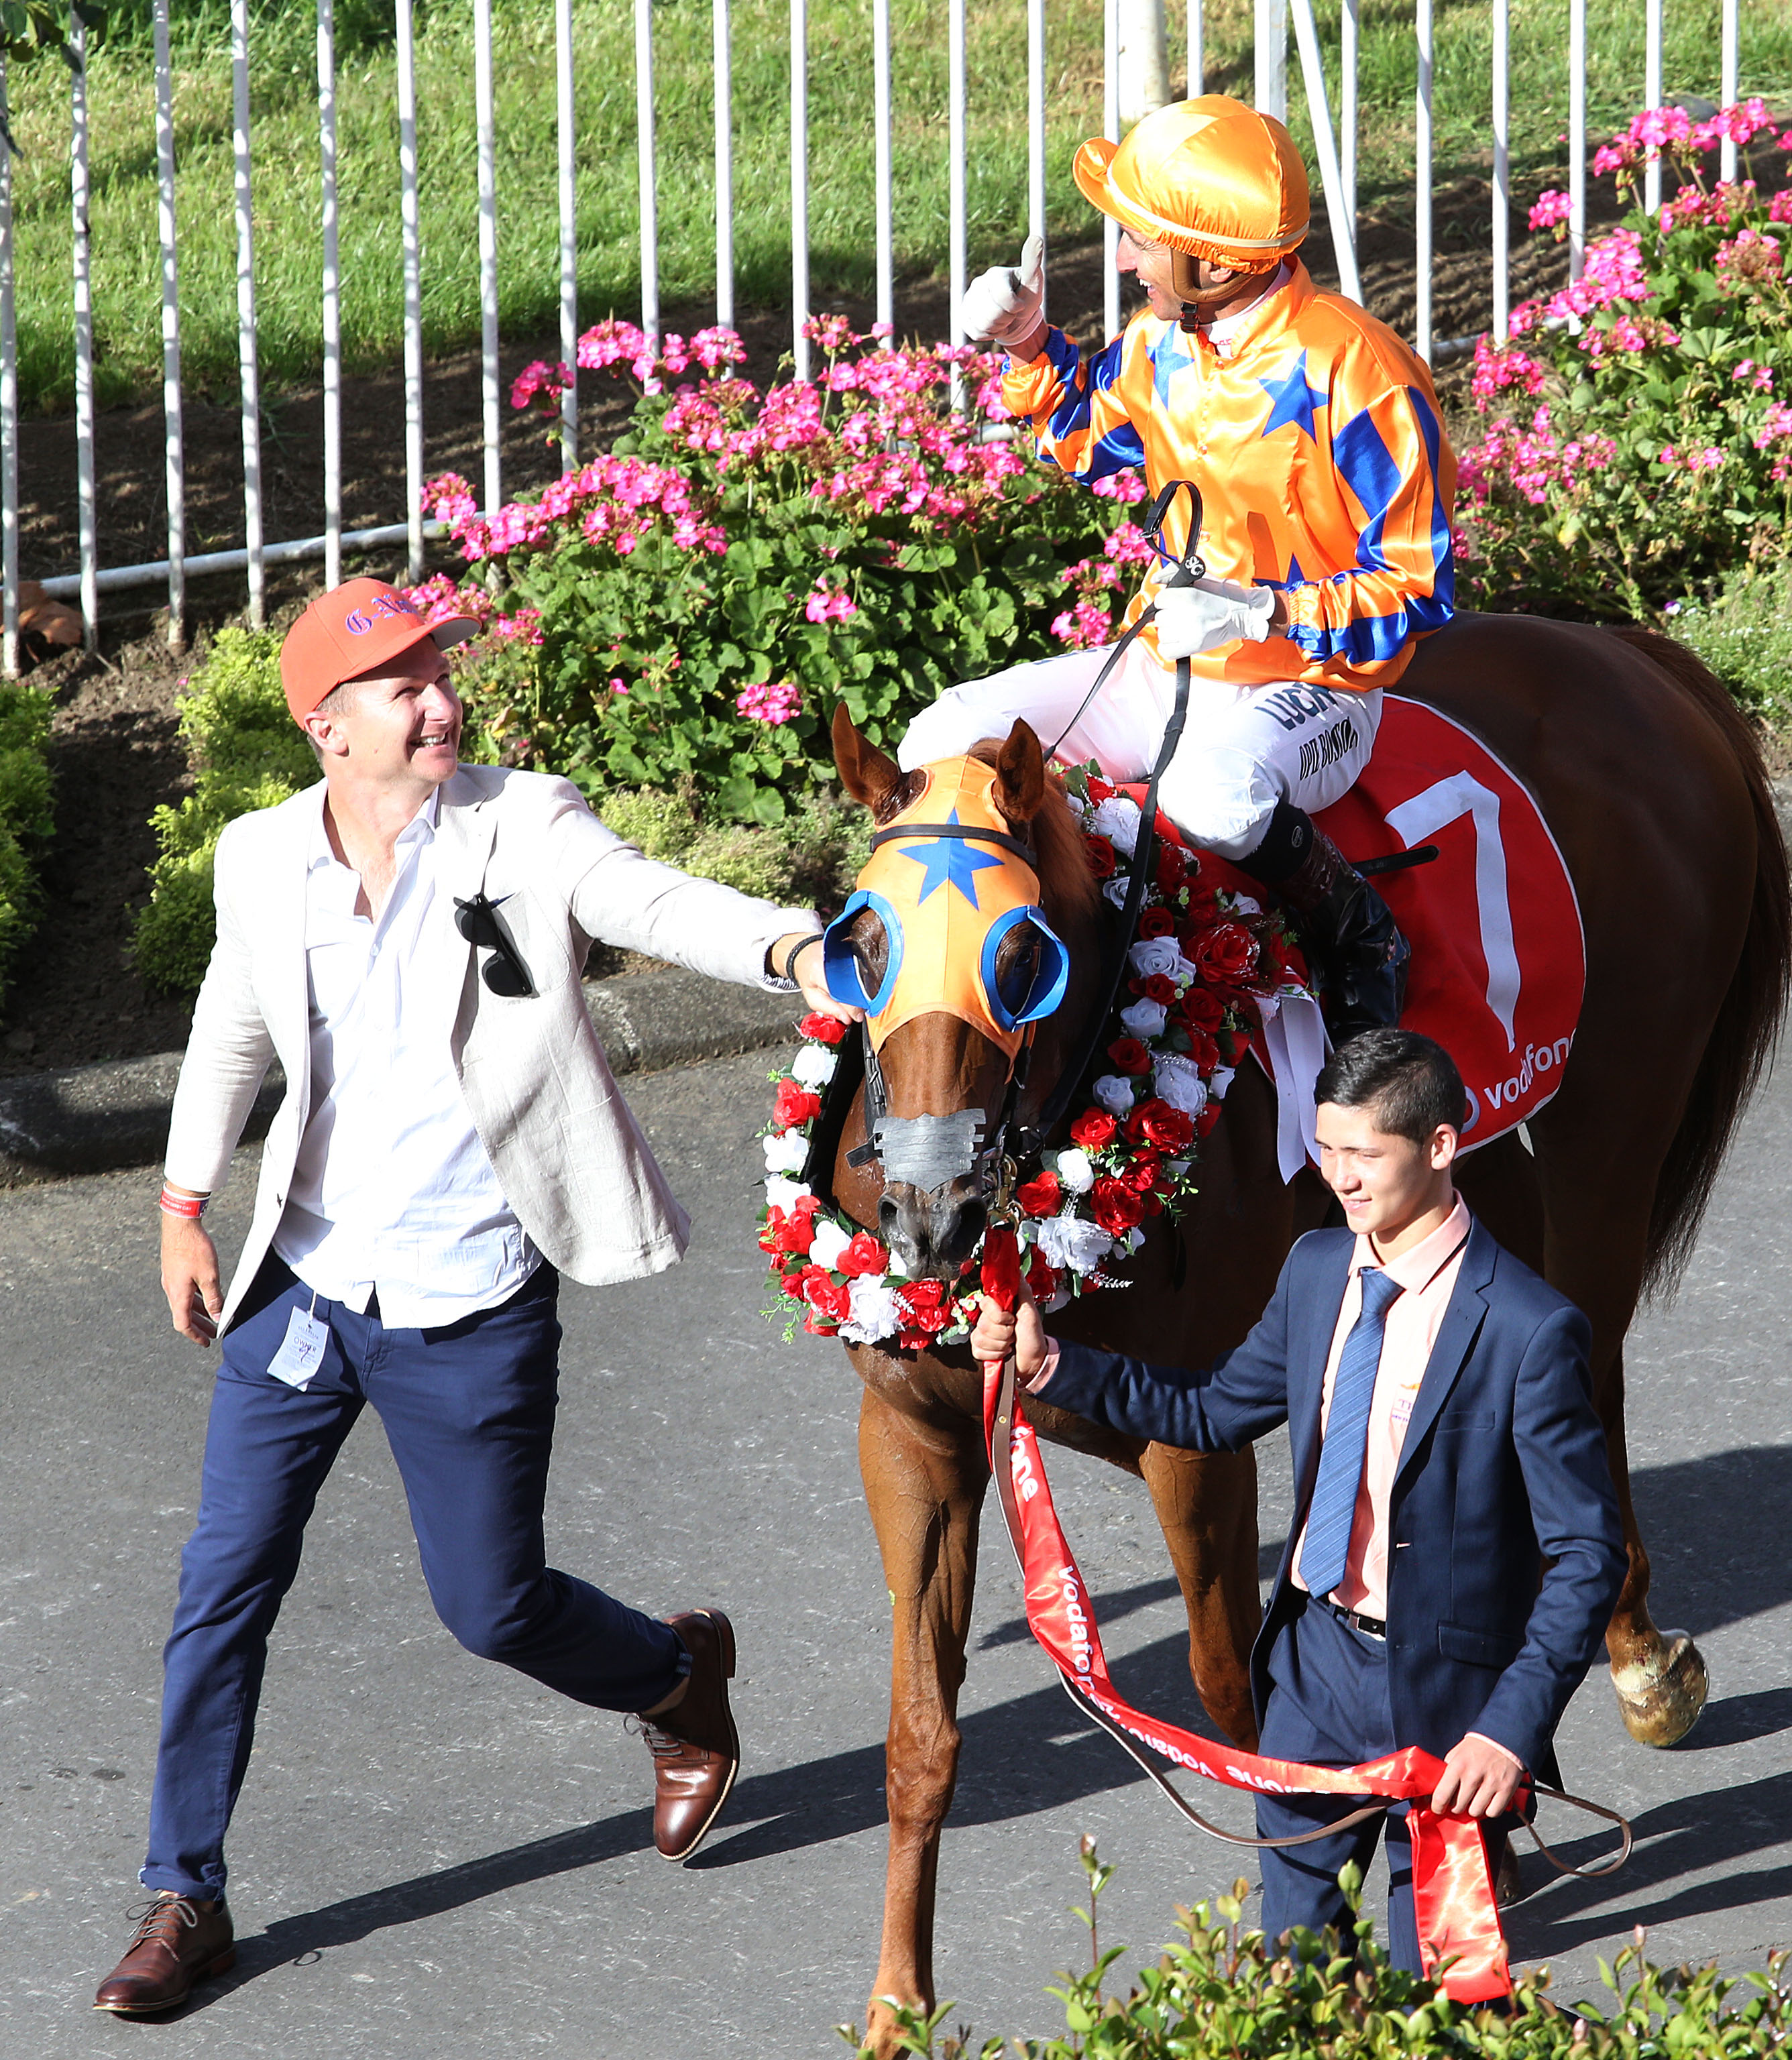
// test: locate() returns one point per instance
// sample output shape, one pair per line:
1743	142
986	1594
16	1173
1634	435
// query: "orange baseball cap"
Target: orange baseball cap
349	631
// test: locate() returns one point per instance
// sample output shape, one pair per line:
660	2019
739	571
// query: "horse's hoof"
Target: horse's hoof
1660	1696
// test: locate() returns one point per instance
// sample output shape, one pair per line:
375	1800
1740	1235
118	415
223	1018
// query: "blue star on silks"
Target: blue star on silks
949	861
1292	400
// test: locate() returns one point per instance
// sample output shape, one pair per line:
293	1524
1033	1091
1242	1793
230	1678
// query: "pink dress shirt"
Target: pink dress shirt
1426	1276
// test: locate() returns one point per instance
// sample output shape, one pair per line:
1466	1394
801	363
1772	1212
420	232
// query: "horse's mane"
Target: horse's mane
1067	888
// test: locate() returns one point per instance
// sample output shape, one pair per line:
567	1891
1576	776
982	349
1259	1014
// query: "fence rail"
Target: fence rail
1336	149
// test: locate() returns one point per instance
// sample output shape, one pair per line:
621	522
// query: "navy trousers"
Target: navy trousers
1328	1706
468	1411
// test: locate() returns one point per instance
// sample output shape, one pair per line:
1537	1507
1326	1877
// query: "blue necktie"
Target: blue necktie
1333	1508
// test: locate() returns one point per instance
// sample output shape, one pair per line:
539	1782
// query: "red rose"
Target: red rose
1226	954
1172	867
1167	1128
1203	1049
1133	1129
813	1324
1094	1130
1202	1009
1129	1055
1156	923
1042	1276
829	1298
1160	988
1202	911
1153	1205
794	1104
792	1283
1141	1176
822	1029
925	1308
1114	1206
789	1231
1208	1118
1041	1195
1099	790
1240	1041
1100	853
864	1254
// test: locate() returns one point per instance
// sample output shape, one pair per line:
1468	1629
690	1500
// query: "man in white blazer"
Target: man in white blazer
407	938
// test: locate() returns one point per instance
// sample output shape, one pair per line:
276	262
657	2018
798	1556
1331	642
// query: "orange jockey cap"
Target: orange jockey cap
947	905
1210	177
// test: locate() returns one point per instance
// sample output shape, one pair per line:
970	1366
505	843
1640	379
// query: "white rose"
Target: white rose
1074	1242
813	1065
1145	1019
781	1193
1075	1170
1115	889
785	1151
1114	1091
1244	904
1117	820
1153	955
873	1314
1058	1299
1219	1080
830	1242
1177	1080
1135	1238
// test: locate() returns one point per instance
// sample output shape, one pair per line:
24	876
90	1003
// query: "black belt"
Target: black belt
1373	1626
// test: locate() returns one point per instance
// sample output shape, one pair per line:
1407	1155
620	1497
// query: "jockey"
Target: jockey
1312	433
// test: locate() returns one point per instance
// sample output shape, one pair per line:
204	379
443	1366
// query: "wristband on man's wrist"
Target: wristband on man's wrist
174	1203
801	945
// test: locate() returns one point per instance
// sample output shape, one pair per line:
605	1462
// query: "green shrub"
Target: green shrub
1217	1994
1745	636
1637	447
27	816
247	753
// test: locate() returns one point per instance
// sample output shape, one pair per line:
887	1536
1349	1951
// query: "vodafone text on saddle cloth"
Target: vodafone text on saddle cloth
1538	1059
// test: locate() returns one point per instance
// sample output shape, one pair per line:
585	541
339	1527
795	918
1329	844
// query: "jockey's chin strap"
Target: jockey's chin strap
1191	567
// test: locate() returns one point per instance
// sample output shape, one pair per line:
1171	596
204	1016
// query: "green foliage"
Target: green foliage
1745	636
1640	451
813	855
27	816
1217	1994
247	753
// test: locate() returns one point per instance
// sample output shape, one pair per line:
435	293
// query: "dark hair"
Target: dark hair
1409	1083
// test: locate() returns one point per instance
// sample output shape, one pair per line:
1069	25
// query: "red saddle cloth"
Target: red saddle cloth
1498	957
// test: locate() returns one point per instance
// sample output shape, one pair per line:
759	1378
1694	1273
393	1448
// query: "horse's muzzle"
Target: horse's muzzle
933	1231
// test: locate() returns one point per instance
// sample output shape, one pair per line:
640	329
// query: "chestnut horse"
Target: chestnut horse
1655	792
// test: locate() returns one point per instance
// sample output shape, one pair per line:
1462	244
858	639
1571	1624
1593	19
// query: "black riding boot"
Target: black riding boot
1360	955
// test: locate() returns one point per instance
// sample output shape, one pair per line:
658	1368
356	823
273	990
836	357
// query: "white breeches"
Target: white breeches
1243	747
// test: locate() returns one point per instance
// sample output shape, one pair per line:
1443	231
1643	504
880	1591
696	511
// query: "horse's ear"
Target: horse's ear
867	774
1021	774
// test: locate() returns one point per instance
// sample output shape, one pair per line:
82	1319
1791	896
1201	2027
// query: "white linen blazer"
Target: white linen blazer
568	1154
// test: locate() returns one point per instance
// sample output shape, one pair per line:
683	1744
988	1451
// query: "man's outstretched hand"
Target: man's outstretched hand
1479	1779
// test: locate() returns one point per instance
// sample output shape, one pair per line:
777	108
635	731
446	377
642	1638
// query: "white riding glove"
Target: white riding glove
1201	617
1003	303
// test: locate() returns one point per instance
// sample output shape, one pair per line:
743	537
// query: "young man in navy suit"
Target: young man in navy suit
1457	1550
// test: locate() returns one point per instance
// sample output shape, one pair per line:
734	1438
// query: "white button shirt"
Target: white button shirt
393	1191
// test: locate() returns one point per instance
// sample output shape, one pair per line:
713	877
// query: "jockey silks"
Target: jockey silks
1316	445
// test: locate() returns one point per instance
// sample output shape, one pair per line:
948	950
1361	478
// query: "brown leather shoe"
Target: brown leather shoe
695	1748
177	1943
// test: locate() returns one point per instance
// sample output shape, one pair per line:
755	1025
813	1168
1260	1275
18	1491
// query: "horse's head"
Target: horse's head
968	929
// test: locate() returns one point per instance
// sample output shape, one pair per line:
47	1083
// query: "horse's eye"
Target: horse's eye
871	946
1017	967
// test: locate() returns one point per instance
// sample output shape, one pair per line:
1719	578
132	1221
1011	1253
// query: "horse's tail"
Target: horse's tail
1748	1023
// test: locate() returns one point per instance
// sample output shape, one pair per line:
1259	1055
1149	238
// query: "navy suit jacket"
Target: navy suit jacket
1503	1466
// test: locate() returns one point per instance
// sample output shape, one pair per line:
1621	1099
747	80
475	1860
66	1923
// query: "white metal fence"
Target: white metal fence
1129	27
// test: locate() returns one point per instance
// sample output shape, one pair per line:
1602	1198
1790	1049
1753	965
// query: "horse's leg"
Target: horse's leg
1208	1506
1595	1252
925	1484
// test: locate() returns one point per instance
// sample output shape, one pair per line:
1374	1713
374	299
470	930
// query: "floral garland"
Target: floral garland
1203	954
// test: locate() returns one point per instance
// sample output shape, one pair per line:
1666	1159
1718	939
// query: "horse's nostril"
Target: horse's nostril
886	1213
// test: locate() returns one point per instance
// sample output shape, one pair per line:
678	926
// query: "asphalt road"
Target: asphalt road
434	1858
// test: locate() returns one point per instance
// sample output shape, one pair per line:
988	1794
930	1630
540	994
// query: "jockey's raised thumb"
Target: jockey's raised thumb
1004	303
1201	617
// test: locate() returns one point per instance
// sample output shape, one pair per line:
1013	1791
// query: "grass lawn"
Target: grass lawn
125	276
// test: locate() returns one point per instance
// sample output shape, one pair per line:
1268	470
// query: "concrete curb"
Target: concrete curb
91	1119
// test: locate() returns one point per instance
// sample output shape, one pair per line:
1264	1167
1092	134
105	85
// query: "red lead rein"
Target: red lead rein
1453	1894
